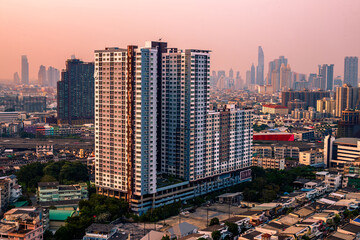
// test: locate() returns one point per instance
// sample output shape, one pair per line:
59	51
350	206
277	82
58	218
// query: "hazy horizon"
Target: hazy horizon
307	32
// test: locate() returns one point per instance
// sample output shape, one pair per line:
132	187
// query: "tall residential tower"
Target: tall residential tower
200	150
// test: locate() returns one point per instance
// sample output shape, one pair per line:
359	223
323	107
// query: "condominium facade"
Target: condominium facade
347	97
204	150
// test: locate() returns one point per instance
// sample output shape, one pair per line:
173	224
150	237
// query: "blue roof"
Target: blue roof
306	189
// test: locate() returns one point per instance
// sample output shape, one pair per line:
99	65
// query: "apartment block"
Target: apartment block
54	192
22	223
273	163
263	151
141	140
286	152
311	157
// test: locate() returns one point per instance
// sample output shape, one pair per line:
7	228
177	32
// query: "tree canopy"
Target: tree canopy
64	172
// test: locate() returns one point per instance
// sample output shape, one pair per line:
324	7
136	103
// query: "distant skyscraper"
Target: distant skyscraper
231	73
351	71
330	77
24	70
253	74
75	93
285	77
248	77
42	78
53	76
16	78
326	77
260	68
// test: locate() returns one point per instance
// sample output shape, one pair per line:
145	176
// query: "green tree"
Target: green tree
48	178
166	237
214	221
72	172
53	169
233	228
337	219
48	235
29	175
216	235
62	234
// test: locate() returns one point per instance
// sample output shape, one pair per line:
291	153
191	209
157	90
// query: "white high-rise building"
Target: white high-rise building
204	150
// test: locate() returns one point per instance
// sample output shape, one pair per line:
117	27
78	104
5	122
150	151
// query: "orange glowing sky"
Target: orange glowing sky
307	32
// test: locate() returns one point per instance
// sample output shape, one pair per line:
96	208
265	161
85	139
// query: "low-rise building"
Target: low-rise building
98	231
181	230
333	181
10	190
274	109
312	157
305	135
272	163
53	192
263	151
286	152
22	223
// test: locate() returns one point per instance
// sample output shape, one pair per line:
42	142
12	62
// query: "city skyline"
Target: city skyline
252	27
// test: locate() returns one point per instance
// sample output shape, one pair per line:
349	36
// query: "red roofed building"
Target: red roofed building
274	109
281	136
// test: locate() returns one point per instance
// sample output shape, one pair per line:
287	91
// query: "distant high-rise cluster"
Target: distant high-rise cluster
222	81
48	77
137	149
274	73
24	70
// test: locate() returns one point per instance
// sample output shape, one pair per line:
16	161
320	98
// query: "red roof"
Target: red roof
273	137
274	106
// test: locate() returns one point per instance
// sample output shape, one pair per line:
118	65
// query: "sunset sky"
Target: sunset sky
307	32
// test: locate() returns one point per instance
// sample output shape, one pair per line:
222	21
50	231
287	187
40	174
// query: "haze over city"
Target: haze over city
307	32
